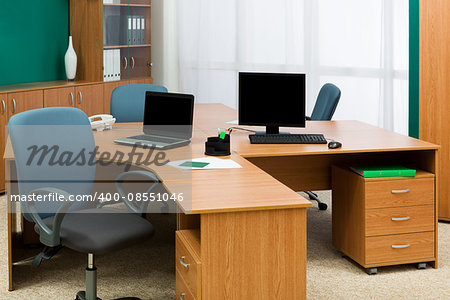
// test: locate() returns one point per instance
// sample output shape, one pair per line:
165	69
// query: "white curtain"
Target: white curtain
361	46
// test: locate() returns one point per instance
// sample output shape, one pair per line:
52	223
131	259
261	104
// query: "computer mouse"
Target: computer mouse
334	145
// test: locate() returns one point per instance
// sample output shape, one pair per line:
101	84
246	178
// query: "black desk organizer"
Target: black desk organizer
215	146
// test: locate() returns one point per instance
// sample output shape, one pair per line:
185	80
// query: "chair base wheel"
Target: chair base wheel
82	296
371	271
312	196
421	266
323	206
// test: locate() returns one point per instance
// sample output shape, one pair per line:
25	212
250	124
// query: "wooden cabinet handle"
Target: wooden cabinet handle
14	105
132	62
401	191
401	246
183	263
4	107
80	96
401	219
71	98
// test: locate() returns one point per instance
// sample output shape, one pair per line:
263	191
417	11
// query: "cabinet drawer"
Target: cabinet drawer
399	248
182	291
395	193
188	264
396	220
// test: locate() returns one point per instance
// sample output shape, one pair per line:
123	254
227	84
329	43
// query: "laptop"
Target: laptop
167	121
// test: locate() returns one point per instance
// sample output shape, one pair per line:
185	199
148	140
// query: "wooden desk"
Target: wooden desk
245	233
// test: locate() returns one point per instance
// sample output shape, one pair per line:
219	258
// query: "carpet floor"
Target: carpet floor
147	270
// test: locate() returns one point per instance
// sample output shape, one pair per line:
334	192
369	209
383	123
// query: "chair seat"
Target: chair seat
99	231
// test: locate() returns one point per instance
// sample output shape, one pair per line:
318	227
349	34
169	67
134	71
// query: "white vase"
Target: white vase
70	60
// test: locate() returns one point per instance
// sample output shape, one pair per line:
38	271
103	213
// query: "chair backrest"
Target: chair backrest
326	102
66	135
128	101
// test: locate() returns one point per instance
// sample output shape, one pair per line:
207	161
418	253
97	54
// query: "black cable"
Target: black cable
239	128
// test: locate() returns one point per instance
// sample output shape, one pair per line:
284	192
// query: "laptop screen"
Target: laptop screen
168	114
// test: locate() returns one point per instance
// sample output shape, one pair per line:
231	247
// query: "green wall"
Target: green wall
33	40
414	68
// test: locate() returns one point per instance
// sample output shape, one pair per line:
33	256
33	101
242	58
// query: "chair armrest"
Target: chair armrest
120	180
47	236
308	118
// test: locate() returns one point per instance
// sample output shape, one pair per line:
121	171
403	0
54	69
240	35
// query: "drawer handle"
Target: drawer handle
401	219
401	191
14	105
183	263
401	246
182	296
71	98
4	107
81	96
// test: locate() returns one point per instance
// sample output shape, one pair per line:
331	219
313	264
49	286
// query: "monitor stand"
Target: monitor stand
272	130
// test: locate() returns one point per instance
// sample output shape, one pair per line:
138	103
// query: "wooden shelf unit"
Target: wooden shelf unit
88	39
434	88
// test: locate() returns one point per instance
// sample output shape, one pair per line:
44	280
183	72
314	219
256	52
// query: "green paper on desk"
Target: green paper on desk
194	164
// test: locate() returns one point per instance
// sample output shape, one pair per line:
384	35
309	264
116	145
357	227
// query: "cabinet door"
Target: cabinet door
107	91
140	46
127	31
3	121
89	98
22	101
139	62
59	97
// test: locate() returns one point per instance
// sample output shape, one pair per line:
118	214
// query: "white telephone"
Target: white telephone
102	122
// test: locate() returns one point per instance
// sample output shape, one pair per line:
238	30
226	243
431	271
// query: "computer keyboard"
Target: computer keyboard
152	138
287	139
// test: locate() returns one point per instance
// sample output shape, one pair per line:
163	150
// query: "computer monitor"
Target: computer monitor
272	100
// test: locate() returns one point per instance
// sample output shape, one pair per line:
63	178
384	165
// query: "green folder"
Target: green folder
384	171
194	164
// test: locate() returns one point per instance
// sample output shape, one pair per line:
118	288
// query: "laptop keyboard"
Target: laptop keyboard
152	138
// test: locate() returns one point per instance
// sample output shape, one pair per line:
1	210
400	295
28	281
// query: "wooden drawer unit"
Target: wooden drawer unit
182	291
187	260
384	221
399	247
396	220
405	192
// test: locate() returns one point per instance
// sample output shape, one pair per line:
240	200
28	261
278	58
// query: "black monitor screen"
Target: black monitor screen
168	114
272	99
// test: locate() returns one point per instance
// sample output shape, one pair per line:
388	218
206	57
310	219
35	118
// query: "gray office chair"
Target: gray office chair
325	106
67	223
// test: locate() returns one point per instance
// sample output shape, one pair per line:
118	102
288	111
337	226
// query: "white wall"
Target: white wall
165	48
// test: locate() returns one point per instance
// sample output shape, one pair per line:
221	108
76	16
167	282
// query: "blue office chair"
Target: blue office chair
42	141
326	103
324	109
128	101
